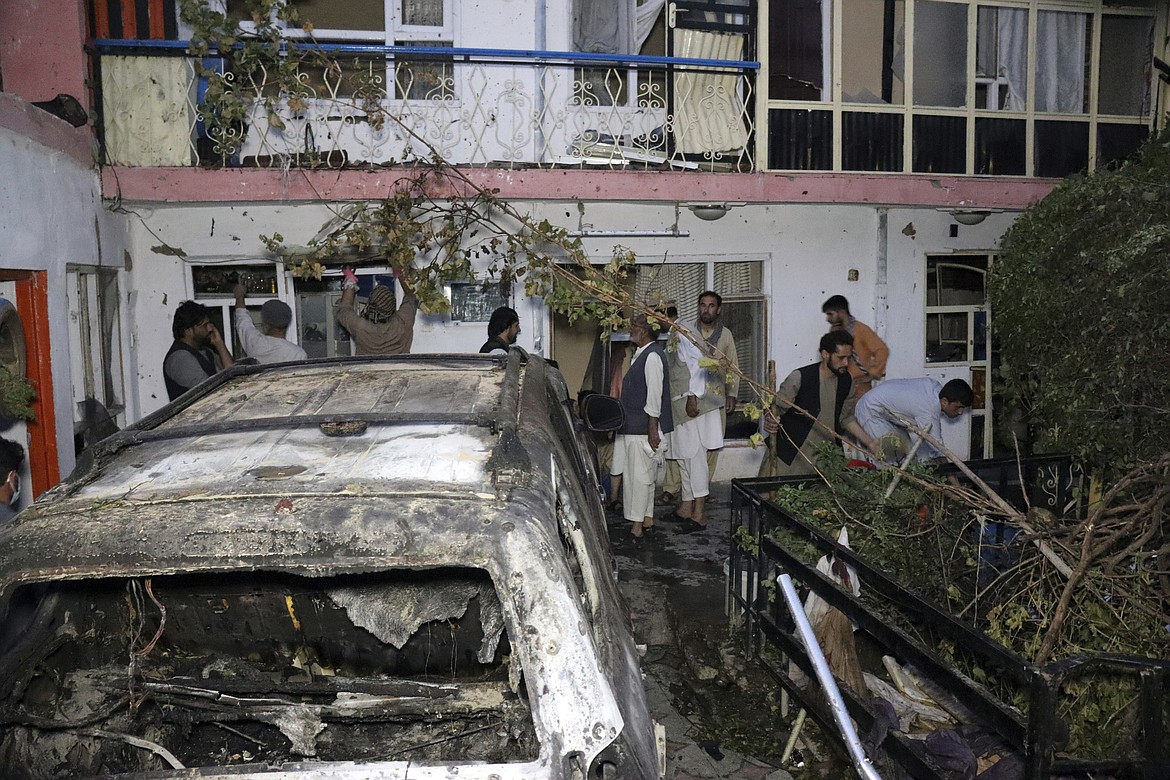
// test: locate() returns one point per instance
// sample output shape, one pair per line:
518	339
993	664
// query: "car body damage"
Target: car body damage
364	568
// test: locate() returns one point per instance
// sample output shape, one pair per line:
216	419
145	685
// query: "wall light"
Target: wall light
711	211
968	216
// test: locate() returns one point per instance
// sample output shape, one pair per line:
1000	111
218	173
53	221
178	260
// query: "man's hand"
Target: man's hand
771	424
214	338
351	279
732	401
239	290
692	406
652	435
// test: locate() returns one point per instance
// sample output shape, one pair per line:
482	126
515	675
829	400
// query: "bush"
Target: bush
1079	302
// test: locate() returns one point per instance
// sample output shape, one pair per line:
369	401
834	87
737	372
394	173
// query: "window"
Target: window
95	337
318	331
213	286
958	86
958	333
470	302
421	23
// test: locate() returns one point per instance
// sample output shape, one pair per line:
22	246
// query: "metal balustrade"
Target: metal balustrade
1033	734
384	105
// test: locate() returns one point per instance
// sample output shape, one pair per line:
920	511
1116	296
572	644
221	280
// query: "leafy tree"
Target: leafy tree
1079	296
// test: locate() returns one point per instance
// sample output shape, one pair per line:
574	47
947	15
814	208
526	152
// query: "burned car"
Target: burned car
374	568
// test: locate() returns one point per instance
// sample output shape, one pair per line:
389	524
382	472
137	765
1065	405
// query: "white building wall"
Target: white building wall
48	202
809	251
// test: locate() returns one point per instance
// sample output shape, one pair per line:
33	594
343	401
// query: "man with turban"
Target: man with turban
382	328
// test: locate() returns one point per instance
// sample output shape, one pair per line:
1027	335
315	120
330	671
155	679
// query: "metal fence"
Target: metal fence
381	105
1032	735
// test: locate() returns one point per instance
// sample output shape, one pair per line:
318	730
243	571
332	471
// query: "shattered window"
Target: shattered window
96	346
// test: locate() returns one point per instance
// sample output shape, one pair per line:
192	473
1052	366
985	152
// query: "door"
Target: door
958	343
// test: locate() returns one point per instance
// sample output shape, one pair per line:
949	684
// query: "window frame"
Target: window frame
819	144
90	351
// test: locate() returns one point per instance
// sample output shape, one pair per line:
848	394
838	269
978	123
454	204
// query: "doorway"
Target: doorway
958	337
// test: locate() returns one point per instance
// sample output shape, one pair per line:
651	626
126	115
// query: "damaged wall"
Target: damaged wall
808	251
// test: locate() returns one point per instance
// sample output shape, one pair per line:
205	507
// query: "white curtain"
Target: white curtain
1012	37
1060	62
606	27
645	15
708	108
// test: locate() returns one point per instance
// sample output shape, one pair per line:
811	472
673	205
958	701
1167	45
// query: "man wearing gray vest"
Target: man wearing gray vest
722	383
648	421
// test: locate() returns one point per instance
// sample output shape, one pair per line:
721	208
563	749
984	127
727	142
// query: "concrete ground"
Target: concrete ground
675	586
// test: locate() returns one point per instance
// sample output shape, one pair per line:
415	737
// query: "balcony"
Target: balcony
362	106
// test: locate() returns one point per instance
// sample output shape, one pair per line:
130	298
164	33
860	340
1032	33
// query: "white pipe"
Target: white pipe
863	765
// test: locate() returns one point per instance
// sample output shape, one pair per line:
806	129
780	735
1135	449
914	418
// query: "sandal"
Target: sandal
689	526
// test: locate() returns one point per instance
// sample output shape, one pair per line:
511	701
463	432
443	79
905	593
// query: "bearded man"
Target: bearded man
820	389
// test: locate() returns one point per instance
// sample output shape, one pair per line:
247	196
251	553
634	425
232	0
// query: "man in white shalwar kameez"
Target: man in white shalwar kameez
644	435
694	432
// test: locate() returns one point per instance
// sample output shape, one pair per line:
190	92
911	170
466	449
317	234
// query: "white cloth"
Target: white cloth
266	349
695	479
885	410
639	473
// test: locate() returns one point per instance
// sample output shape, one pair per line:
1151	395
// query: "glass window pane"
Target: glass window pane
800	140
423	78
745	320
739	278
1001	59
796	48
871	142
313	317
946	337
218	281
1061	74
940	54
1126	54
343	14
1061	148
979	383
978	434
677	283
422	13
109	338
873	64
1117	142
1000	146
956	280
940	144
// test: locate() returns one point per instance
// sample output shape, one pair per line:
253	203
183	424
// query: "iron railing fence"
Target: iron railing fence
382	105
1033	735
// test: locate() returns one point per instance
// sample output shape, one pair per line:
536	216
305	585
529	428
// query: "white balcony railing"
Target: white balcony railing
388	105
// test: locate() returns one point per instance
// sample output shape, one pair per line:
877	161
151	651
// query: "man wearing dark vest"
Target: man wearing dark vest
819	389
189	360
648	421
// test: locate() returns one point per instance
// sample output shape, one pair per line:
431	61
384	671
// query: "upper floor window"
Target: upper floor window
958	86
384	21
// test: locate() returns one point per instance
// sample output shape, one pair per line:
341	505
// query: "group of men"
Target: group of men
836	398
382	328
675	405
675	396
